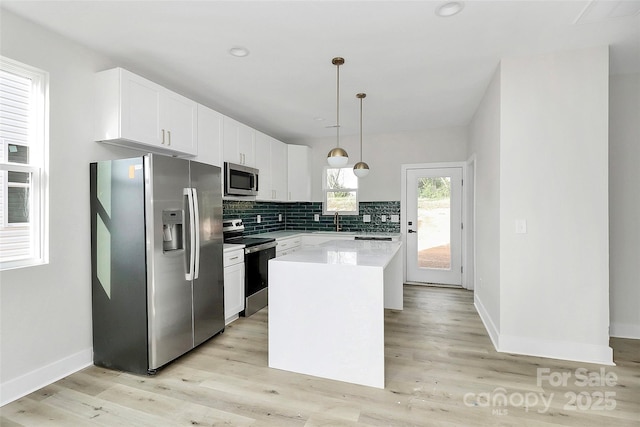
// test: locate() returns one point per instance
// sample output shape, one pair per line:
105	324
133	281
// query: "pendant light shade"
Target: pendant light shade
361	169
337	157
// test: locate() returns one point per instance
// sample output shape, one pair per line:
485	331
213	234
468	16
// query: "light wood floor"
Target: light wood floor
441	369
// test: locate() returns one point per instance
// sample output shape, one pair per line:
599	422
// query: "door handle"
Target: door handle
196	229
411	231
192	237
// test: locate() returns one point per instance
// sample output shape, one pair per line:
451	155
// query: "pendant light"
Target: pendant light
361	169
337	157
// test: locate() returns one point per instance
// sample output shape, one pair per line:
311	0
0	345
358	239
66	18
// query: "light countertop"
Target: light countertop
284	234
367	253
227	247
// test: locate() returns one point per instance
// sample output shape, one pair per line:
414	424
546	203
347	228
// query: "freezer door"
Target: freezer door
168	247
208	283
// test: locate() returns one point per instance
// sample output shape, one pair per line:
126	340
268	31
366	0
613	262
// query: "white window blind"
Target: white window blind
23	111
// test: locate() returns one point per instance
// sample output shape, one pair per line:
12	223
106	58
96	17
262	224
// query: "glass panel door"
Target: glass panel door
434	223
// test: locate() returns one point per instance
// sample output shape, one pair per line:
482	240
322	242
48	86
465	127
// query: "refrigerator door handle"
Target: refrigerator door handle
196	232
192	249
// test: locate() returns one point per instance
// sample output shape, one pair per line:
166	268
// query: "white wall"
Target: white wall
45	311
484	143
554	175
624	204
384	154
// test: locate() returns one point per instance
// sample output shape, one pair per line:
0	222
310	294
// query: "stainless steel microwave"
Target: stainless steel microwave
240	180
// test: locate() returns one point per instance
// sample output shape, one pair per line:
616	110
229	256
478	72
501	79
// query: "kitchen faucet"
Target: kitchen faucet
336	221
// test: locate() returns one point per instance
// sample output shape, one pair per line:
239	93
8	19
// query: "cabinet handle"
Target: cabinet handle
169	133
162	136
235	257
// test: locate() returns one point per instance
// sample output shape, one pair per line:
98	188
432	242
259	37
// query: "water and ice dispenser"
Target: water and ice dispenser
172	225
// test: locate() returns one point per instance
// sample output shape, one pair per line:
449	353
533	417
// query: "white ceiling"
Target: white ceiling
419	71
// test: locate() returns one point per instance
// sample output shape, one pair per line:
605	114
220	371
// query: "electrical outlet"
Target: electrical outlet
395	218
521	226
366	218
280	217
258	219
316	217
383	218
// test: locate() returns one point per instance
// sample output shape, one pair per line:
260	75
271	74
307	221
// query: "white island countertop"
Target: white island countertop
369	253
326	309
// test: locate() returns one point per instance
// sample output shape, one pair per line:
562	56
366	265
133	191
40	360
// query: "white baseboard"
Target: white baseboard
625	330
564	350
18	387
493	332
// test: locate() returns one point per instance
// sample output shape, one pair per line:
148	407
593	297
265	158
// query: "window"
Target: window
23	164
340	187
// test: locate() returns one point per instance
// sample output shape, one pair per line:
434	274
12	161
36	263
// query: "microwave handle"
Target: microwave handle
257	177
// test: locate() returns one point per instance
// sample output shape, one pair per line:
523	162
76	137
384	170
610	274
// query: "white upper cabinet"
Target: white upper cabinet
299	173
133	111
209	136
238	142
179	119
271	161
279	174
263	164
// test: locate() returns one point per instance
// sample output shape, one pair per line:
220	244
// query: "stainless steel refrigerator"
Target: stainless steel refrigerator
156	256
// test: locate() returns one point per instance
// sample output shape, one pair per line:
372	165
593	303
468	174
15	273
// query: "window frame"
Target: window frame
326	191
38	168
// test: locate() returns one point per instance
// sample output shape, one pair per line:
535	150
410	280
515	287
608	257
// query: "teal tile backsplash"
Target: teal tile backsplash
248	211
300	215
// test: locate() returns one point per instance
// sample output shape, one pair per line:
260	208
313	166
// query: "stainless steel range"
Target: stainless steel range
257	253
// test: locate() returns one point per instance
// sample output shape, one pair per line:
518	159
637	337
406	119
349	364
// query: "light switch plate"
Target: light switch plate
395	218
521	226
280	217
258	219
366	218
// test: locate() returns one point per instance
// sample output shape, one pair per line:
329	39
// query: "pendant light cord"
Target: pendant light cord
361	128
338	106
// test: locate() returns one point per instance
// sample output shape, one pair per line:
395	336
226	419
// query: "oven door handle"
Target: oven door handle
261	247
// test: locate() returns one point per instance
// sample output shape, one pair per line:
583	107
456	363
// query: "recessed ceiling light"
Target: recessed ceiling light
449	9
239	51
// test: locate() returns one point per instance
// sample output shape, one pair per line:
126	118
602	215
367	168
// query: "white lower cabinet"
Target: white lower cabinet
318	239
288	245
233	284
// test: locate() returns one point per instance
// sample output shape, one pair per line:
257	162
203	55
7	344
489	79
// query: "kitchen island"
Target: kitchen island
326	309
